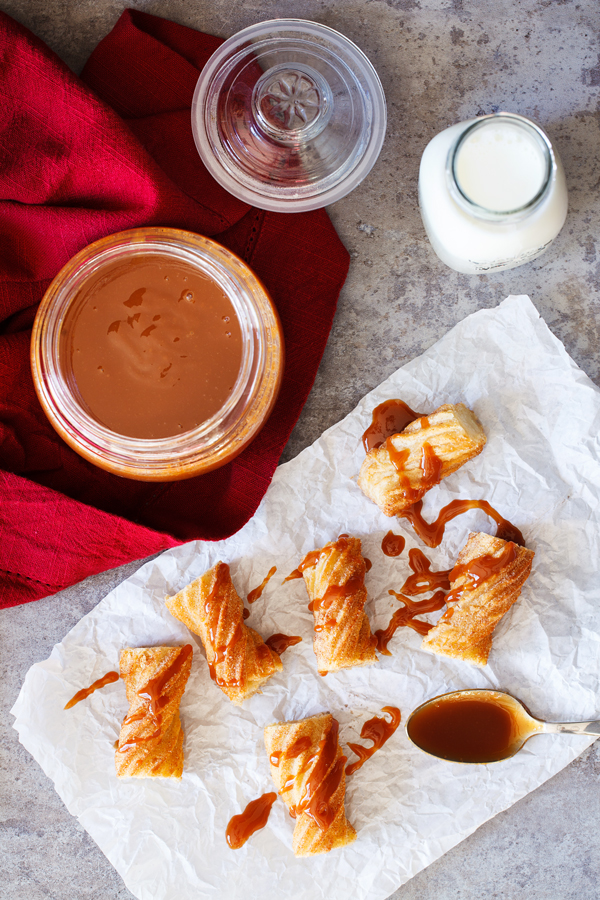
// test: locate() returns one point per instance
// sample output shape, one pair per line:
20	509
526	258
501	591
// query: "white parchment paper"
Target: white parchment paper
540	469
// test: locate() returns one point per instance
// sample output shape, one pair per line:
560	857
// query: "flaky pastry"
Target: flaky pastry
335	580
238	659
485	582
307	766
151	739
408	464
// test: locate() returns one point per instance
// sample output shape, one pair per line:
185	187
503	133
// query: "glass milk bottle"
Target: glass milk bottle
492	193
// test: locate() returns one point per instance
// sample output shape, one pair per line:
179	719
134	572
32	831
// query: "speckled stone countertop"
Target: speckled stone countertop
440	61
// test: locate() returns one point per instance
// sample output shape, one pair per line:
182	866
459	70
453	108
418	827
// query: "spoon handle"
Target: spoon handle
572	727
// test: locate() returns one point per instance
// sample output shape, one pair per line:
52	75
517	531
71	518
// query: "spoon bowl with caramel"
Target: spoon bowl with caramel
480	726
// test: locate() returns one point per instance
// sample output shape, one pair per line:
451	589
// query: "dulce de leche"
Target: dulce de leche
155	346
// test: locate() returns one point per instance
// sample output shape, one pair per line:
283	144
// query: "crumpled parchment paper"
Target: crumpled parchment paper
540	469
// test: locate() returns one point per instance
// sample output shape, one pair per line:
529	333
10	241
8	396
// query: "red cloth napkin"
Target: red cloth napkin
83	158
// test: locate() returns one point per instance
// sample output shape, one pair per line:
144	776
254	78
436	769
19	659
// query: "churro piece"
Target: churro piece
151	739
335	580
238	659
400	471
307	766
485	582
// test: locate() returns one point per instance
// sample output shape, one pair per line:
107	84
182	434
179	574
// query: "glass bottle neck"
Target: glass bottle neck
500	168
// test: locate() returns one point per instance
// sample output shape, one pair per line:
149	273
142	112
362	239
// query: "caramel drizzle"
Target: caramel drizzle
220	656
405	616
393	544
221	577
338	592
109	678
388	418
279	643
431	533
323	781
300	745
483	567
431	465
295	574
152	694
378	730
398	458
255	594
221	651
423	579
477	571
431	468
312	558
252	819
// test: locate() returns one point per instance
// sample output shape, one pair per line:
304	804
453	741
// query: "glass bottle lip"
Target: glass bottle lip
482	212
230	160
215	441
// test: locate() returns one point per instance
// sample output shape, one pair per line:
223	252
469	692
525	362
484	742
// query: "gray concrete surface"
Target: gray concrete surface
440	61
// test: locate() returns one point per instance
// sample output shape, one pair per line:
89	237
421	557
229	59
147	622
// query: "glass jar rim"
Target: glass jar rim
210	444
481	212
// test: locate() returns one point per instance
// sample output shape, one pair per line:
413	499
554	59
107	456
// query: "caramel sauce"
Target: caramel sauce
432	533
134	741
135	717
378	730
312	558
423	579
254	817
405	616
471	726
300	745
476	572
398	458
255	594
295	574
321	784
279	643
221	578
152	692
389	418
431	465
483	567
337	592
220	652
220	656
393	544
109	678
155	346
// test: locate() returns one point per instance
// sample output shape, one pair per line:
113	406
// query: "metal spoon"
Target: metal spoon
480	726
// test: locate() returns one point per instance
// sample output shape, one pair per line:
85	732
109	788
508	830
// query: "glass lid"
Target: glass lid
289	115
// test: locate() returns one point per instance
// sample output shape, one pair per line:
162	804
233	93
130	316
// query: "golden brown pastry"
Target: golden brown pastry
485	582
402	470
335	580
151	739
307	766
238	659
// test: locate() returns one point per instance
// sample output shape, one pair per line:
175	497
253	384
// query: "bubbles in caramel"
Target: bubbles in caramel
155	346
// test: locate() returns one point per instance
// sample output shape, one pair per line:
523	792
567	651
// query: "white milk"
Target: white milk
495	199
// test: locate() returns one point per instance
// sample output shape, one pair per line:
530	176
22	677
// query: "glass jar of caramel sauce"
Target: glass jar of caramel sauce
157	354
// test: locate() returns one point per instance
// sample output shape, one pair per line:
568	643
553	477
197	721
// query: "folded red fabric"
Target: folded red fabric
83	158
